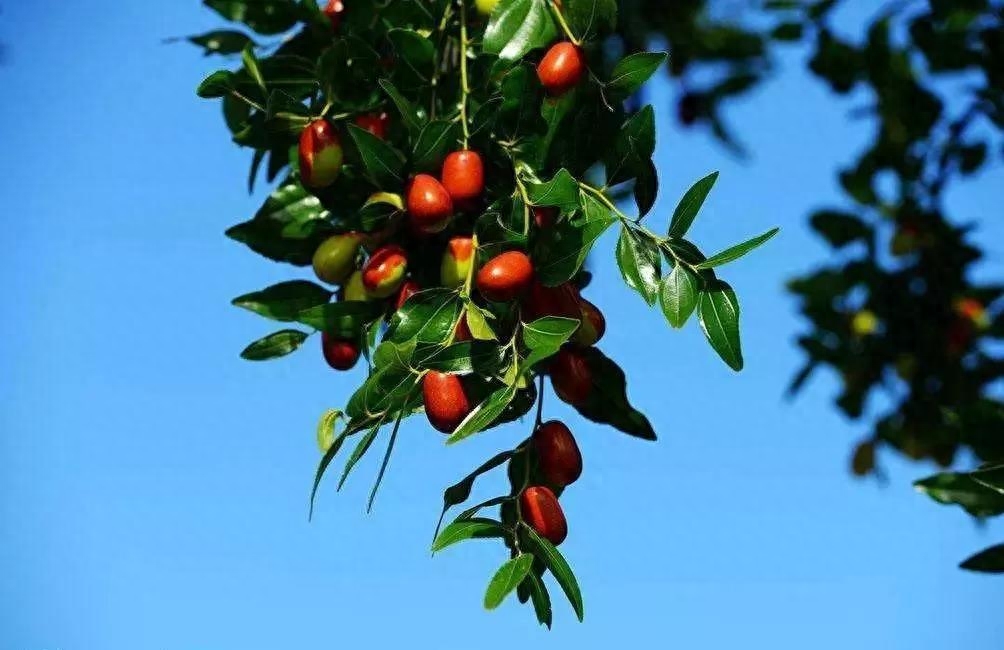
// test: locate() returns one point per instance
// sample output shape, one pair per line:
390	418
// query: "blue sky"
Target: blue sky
153	486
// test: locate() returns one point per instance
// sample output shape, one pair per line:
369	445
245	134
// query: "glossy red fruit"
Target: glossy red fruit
375	123
593	325
407	290
505	277
541	301
333	10
429	204
571	376
545	217
320	154
463	175
341	354
446	403
462	332
384	271
541	510
558	455
562	68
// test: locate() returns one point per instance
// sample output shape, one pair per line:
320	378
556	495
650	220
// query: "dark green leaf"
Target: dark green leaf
679	295
428	317
690	205
436	140
461	491
549	332
951	488
562	191
608	402
384	164
221	41
216	85
588	18
541	599
362	447
558	567
633	71
409	114
284	301
506	579
277	344
464	529
640	264
518	26
263	16
563	249
737	251
719	317
990	560
337	317
484	414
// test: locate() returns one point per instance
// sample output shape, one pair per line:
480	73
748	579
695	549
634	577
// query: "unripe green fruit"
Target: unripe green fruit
446	402
570	375
485	7
320	154
354	289
592	327
561	69
457	261
505	277
429	204
558	457
335	258
542	512
384	271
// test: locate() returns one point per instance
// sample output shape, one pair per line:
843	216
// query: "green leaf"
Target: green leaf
386	459
608	402
251	65
563	249
339	317
288	228
354	426
562	191
415	55
633	148
506	579
484	359
284	301
558	567
631	72
679	294
461	491
221	41
590	17
719	317
484	414
541	599
434	142
690	205
518	26
326	429
646	187
409	114
549	332
362	447
992	477
989	560
384	164
465	529
216	85
840	229
428	317
277	344
640	263
952	488
263	16
737	251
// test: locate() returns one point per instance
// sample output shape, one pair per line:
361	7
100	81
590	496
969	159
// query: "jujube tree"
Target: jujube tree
446	168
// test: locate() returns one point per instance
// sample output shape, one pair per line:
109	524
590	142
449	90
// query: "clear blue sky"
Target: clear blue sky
153	486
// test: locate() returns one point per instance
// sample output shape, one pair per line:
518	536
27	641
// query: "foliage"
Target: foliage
451	79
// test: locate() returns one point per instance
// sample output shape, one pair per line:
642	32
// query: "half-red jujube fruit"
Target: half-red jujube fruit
446	401
558	457
384	271
407	290
541	510
320	154
505	277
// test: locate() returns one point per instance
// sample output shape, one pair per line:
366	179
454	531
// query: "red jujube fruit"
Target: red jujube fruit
541	301
446	402
375	123
558	455
541	510
562	68
333	10
341	354
429	204
407	290
593	325
463	175
505	277
320	154
570	375
384	271
545	217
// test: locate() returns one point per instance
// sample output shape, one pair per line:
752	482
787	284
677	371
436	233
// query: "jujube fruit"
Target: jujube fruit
542	512
592	327
562	301
505	276
320	154
375	123
446	402
354	289
457	261
333	10
335	259
463	175
571	376
384	271
429	204
545	217
562	68
485	7
341	354
462	332
407	290
558	457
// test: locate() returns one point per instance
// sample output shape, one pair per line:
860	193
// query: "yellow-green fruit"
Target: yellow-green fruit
485	6
354	289
457	260
335	258
864	323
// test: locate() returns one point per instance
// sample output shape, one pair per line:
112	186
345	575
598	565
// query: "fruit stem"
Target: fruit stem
465	88
564	26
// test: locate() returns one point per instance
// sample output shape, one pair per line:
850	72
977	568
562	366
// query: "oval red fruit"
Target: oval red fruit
541	510
463	175
429	204
446	403
541	301
333	10
341	354
545	217
558	455
570	376
320	154
384	271
505	276
462	332
593	326
375	123
407	290
562	68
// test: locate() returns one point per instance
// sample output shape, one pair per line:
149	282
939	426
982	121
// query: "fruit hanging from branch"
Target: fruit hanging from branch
455	233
